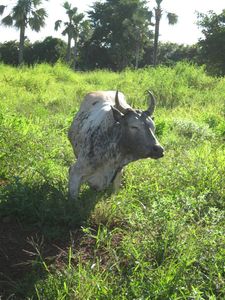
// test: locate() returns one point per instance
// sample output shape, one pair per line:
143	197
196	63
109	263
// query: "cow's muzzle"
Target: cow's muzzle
157	152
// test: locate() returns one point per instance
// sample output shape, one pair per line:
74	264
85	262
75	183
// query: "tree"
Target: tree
49	50
213	44
170	53
172	19
9	52
26	13
140	37
78	27
71	27
120	30
85	35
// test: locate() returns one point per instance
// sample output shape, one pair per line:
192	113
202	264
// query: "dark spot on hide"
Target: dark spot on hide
94	140
91	149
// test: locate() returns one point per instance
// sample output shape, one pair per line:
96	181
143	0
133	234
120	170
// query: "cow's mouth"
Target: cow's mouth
157	157
156	154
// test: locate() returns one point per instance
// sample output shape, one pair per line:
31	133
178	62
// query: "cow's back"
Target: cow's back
95	114
101	97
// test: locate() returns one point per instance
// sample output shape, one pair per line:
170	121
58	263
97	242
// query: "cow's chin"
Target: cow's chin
155	156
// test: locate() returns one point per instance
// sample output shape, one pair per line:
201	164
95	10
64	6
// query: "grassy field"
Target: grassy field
161	237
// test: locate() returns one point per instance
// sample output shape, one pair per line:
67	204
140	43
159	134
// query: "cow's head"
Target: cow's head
138	130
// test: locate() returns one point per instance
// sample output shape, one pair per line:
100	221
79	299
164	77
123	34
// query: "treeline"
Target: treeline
114	34
50	50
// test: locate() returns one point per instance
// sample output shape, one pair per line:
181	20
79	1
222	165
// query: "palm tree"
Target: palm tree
71	27
78	28
85	34
172	19
25	14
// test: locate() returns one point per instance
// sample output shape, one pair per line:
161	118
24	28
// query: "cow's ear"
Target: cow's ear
117	115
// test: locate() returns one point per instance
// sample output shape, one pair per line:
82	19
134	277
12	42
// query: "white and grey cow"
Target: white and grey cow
106	135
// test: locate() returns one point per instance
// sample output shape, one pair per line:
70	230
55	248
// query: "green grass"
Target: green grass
163	235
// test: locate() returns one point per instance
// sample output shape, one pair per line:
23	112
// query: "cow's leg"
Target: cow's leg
117	181
75	180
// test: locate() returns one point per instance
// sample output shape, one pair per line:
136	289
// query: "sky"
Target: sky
184	32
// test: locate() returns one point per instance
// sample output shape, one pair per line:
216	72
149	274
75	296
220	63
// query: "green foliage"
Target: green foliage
9	53
213	44
170	53
162	235
192	130
120	31
50	50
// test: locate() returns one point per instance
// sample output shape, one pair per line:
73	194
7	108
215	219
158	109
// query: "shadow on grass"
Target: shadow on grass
33	216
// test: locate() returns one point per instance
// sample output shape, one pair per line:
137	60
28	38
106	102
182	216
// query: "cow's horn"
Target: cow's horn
152	104
118	105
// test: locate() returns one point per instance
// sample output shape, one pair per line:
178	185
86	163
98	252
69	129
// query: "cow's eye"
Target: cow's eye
134	127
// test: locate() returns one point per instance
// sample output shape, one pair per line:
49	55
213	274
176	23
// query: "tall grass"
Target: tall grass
162	236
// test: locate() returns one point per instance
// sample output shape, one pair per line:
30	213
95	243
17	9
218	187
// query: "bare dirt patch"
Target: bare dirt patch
18	257
13	241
